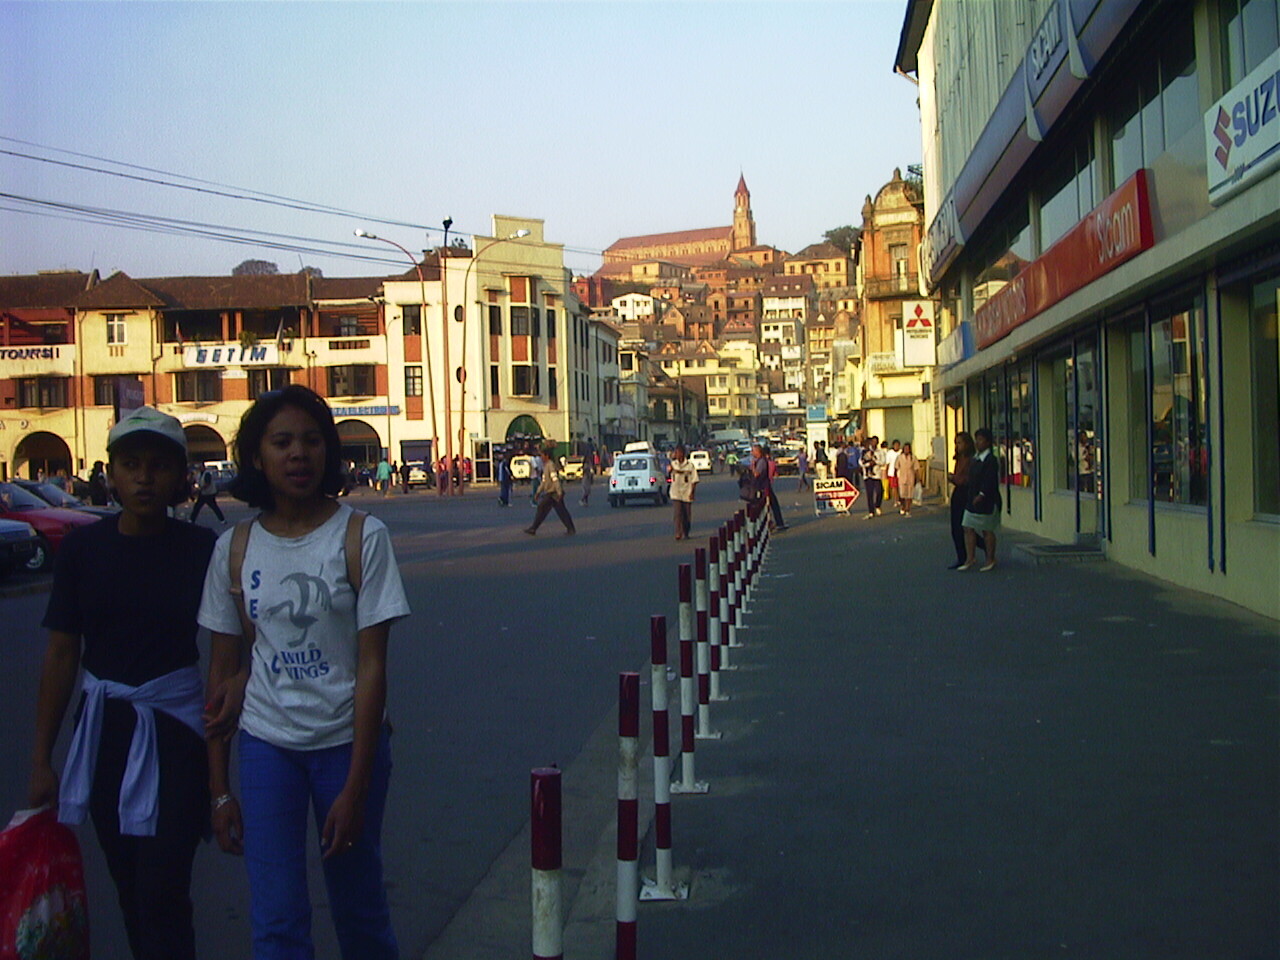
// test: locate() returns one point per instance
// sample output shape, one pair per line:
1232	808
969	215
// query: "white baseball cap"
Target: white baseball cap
148	420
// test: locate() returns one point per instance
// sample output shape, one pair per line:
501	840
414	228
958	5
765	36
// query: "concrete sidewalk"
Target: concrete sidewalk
1064	761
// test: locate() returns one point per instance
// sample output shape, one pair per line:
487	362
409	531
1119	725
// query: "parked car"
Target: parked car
522	468
224	471
51	523
572	468
55	496
701	461
419	475
17	544
639	474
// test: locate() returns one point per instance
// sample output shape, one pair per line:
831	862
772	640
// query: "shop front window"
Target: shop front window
1082	420
1022	458
1265	349
1136	397
1179	453
1250	32
1156	106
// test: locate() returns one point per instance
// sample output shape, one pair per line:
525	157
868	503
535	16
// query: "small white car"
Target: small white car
701	461
639	475
418	474
522	468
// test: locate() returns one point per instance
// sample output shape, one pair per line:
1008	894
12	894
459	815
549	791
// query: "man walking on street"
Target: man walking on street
207	495
588	472
873	464
551	496
383	476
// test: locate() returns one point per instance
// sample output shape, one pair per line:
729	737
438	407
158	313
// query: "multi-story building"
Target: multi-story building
636	306
825	263
401	379
896	321
1104	232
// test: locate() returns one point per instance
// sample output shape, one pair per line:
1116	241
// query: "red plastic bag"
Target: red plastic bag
44	914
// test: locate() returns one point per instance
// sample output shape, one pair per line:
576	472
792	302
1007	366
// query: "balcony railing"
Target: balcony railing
882	287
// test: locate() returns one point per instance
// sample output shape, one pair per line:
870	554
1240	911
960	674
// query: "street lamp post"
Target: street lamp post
426	342
466	279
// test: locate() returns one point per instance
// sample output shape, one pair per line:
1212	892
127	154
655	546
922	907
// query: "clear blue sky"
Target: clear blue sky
603	119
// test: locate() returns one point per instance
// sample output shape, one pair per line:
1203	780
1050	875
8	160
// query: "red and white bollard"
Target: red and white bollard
662	887
548	922
704	731
726	609
713	614
688	783
628	890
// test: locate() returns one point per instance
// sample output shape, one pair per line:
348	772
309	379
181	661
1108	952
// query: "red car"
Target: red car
51	523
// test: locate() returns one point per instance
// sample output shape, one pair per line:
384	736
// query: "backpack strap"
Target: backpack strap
239	544
353	547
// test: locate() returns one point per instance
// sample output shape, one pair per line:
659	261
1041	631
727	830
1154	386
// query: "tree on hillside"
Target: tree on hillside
843	237
254	268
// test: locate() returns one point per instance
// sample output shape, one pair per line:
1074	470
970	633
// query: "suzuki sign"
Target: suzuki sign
1242	132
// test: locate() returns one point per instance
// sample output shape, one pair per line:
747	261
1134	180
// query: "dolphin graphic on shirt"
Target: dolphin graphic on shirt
314	597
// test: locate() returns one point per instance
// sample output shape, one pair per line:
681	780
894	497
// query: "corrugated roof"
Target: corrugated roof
820	251
679	236
118	290
264	292
44	290
346	288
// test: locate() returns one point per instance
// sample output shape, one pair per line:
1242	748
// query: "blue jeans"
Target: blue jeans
276	785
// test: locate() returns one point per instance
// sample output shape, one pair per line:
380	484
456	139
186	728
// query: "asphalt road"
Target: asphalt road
508	662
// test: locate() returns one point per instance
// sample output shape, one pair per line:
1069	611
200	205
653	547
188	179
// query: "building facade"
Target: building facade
414	366
1104	236
898	335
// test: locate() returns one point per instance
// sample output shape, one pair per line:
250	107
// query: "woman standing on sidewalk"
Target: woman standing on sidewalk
684	477
982	515
307	591
959	479
907	467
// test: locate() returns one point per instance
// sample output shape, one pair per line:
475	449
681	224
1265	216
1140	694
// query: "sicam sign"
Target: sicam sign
1242	132
1117	230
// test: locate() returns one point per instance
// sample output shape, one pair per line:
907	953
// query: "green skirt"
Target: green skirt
982	522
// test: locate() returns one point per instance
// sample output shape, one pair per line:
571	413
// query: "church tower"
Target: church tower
744	227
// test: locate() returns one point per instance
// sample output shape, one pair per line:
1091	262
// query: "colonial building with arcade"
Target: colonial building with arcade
466	349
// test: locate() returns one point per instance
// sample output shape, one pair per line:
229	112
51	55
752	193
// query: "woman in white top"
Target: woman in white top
305	625
684	478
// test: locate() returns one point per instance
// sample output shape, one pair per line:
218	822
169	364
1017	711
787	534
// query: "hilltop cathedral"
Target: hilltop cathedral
688	248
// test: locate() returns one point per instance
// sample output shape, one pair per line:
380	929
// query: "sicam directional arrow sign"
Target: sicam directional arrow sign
833	496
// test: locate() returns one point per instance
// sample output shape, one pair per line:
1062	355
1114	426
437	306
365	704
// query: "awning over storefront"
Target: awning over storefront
882	403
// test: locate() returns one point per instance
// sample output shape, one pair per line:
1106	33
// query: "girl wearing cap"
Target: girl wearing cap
314	595
123	606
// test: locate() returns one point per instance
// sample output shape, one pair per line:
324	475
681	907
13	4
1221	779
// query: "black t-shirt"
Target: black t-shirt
132	599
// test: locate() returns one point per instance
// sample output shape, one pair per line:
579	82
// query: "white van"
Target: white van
639	474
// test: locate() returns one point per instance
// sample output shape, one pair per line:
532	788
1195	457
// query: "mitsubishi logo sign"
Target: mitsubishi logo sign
919	348
919	317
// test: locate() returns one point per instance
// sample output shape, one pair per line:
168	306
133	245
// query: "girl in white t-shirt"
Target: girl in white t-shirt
312	675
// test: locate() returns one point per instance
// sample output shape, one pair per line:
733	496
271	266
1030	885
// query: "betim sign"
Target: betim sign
1116	230
1242	132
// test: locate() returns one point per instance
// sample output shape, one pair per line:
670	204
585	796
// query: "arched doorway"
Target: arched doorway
359	442
41	451
524	427
204	444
